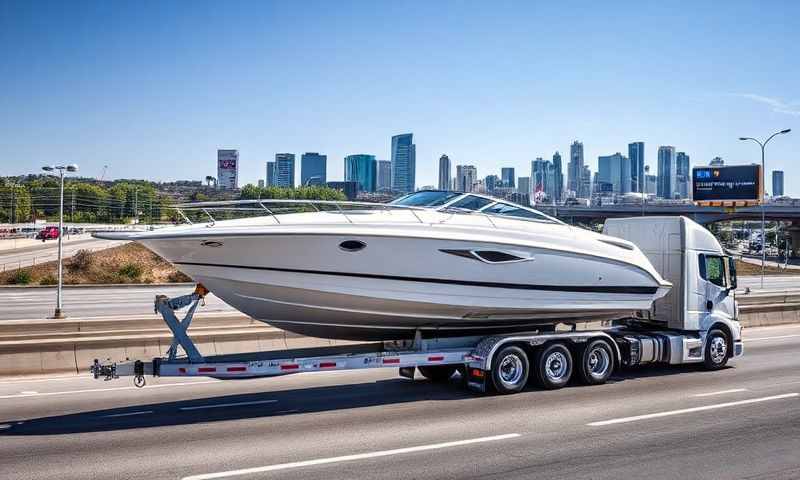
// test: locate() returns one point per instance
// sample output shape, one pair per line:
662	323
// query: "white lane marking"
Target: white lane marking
222	405
721	392
690	410
34	380
143	412
96	390
758	339
349	458
28	392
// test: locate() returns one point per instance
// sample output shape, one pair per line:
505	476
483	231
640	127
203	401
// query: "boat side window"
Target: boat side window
712	269
508	210
426	199
471	202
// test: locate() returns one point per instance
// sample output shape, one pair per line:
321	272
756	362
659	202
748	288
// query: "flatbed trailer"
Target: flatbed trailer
504	363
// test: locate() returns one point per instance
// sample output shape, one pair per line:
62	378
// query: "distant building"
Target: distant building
507	176
524	187
586	181
228	169
491	182
350	189
667	172
284	170
466	176
717	162
384	181
614	170
636	157
270	174
540	179
260	183
650	184
404	163
521	198
575	174
683	175
777	183
444	172
558	178
363	169
313	169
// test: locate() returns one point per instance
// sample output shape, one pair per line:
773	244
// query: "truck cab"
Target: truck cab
703	277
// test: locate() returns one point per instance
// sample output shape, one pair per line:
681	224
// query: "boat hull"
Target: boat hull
308	284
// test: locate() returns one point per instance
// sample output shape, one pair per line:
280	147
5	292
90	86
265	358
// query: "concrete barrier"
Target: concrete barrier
69	346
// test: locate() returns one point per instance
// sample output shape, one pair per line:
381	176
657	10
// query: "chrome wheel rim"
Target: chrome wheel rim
599	362
511	370
555	366
718	349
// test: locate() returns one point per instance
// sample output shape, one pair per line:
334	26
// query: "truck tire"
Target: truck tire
510	370
717	350
437	373
595	362
553	366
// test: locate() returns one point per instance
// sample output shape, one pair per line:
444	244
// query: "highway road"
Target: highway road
87	302
48	251
741	422
37	303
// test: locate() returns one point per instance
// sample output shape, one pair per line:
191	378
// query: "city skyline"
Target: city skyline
152	111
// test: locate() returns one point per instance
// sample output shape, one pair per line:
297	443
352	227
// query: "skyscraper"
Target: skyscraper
270	174
586	181
404	163
313	169
667	172
558	178
284	170
615	170
491	182
682	175
636	156
507	176
444	172
384	181
540	173
777	183
363	169
466	176
228	169
575	180
524	186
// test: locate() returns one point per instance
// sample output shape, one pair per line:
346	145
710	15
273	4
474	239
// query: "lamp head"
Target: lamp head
48	168
786	131
72	167
743	138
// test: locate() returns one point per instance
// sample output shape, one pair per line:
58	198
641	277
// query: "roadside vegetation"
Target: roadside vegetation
130	263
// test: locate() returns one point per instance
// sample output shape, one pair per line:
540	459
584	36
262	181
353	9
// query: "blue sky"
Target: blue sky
153	88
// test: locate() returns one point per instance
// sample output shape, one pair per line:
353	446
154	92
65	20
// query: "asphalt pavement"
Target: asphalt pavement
48	251
671	422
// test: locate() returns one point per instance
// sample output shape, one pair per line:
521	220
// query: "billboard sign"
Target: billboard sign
228	169
738	183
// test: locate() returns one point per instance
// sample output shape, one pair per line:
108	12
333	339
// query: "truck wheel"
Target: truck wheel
510	368
715	354
554	366
596	362
437	373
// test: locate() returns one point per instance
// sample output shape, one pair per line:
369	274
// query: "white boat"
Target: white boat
442	263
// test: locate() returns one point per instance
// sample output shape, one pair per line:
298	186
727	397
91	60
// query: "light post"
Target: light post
61	168
644	187
763	145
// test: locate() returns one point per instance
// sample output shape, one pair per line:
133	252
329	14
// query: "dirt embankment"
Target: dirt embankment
746	268
129	263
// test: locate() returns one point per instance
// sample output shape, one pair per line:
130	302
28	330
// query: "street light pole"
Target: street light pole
763	146
59	313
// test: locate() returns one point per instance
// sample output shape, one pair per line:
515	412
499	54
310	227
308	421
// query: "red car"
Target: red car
47	233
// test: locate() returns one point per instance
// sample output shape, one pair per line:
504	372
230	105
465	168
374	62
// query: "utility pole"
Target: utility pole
61	168
136	205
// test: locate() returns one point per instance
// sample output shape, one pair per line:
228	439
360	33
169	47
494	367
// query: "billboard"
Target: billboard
228	169
739	183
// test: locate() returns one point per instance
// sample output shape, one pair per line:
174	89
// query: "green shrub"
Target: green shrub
48	280
21	277
131	271
82	260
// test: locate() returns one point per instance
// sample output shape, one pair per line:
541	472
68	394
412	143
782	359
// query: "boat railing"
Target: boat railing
272	207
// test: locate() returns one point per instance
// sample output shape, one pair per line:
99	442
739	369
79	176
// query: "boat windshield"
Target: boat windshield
509	210
426	199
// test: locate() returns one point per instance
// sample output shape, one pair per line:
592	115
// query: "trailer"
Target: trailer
694	323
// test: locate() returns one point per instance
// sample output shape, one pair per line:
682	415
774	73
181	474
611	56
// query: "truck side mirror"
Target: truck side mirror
732	283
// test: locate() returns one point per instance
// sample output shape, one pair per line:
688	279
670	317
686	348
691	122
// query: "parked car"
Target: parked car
47	233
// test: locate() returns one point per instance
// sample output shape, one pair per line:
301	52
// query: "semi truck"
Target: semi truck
696	322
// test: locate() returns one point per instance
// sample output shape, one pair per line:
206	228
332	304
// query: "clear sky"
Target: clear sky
153	88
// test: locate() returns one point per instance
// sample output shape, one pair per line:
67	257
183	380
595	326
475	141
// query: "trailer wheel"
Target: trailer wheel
596	362
437	373
553	366
716	351
510	369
